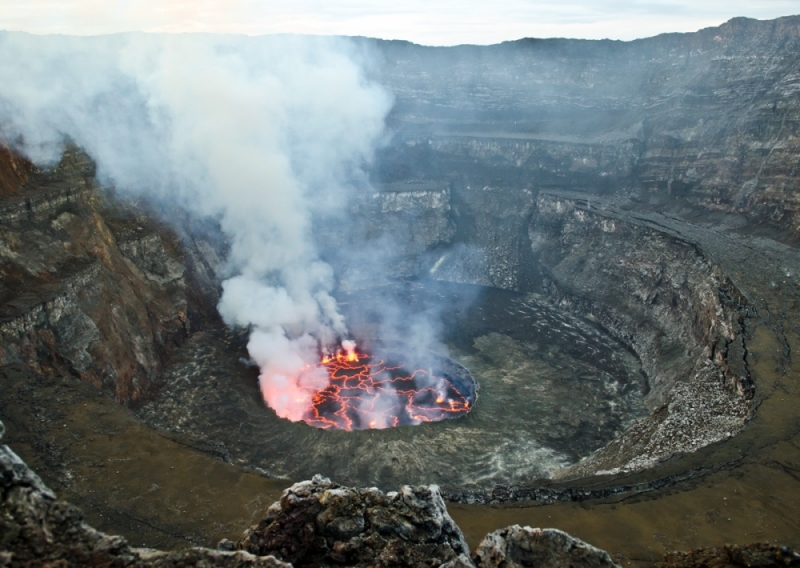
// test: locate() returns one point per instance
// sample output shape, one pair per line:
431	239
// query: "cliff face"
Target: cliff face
657	291
579	169
708	119
648	281
90	289
660	293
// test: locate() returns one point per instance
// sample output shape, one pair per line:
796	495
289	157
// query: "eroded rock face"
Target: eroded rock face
319	523
14	171
659	292
519	547
91	288
708	118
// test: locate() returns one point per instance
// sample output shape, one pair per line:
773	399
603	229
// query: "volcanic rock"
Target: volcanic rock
708	118
14	171
317	523
516	547
320	523
37	529
732	556
91	286
665	297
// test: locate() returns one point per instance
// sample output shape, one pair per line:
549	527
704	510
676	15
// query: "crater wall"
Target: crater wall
92	288
650	286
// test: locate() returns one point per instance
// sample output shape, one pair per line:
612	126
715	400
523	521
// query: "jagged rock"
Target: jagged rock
317	523
730	556
462	561
90	285
517	546
36	529
320	523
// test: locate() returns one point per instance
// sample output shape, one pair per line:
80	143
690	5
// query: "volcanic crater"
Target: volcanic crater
607	233
554	387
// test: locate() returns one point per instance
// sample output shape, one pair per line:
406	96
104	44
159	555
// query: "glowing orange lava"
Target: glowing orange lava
365	393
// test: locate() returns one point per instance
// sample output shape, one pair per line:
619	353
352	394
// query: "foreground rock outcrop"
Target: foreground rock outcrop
319	523
36	529
316	523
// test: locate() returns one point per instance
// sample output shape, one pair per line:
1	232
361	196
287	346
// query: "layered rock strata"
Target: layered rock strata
108	296
665	298
709	119
92	288
652	286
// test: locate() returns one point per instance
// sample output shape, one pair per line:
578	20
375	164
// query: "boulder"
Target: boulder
517	547
320	523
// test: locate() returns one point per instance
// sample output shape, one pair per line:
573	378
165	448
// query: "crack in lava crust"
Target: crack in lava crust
365	392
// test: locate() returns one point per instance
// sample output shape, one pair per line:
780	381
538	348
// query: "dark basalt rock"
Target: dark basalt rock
320	523
730	556
643	184
36	529
317	523
203	557
708	118
516	547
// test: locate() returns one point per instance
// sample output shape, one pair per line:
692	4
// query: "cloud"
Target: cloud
435	22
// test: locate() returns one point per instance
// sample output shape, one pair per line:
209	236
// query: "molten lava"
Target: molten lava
366	392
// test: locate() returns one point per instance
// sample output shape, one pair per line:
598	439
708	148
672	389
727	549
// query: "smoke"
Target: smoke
264	134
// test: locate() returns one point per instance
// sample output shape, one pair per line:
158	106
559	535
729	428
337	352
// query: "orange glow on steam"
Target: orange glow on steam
364	392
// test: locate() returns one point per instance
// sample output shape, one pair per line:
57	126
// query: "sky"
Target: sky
429	22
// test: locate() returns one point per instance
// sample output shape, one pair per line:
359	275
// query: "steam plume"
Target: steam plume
262	133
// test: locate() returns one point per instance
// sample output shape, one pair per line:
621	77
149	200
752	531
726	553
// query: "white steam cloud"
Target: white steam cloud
262	133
